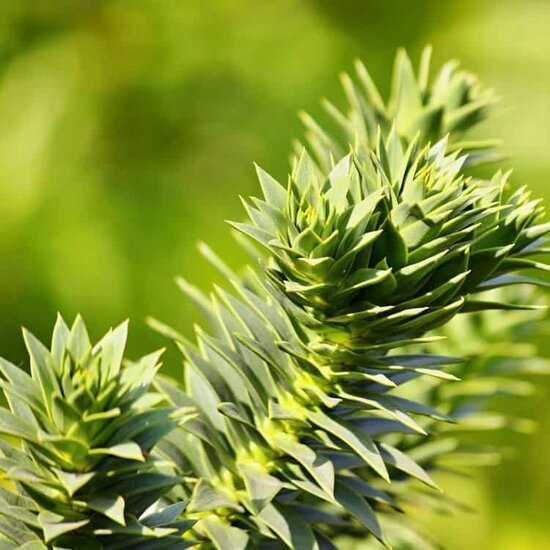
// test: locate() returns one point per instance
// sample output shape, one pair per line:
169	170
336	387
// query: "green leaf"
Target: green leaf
55	525
402	462
79	344
362	278
60	339
260	486
289	527
390	245
232	411
128	450
319	467
356	505
112	346
405	95
41	366
165	516
205	497
223	535
72	481
472	306
259	235
12	426
358	441
274	192
111	506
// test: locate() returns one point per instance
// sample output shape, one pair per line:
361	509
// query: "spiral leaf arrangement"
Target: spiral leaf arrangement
371	246
78	455
321	397
495	344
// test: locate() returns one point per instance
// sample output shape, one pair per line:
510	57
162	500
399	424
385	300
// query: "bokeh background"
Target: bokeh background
128	130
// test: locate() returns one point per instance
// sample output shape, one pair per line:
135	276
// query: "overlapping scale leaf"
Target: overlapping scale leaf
299	386
394	244
501	363
518	221
419	107
76	447
428	241
283	433
463	103
500	357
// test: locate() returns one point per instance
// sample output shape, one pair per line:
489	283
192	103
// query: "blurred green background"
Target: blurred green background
128	130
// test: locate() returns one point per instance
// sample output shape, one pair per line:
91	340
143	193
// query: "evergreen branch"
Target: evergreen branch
78	456
365	254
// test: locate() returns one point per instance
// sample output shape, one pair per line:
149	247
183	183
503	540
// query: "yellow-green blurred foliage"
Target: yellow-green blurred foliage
128	130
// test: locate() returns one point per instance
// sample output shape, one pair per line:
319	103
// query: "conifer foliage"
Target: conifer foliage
321	396
78	456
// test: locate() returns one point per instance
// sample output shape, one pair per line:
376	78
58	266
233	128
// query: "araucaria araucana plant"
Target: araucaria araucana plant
323	390
78	457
